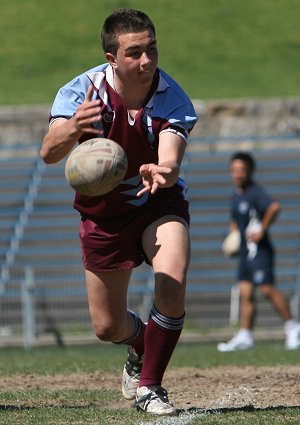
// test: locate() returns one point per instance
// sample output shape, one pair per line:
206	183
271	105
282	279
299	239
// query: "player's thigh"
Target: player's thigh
268	289
107	297
166	243
246	289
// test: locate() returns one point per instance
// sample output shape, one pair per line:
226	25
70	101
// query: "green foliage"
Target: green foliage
214	49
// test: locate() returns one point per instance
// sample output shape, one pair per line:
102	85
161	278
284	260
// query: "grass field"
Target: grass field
215	49
54	393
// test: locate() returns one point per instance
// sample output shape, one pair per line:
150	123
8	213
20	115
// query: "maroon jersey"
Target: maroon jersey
166	109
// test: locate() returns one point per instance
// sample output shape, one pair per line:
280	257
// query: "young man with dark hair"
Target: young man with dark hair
133	102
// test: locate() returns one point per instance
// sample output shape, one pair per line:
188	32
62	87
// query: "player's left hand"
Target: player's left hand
153	177
255	236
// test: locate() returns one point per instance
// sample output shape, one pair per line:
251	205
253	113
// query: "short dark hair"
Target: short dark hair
123	21
245	157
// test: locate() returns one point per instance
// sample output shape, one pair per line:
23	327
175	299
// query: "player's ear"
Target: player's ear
111	59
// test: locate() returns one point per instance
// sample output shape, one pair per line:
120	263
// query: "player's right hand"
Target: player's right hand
87	114
153	177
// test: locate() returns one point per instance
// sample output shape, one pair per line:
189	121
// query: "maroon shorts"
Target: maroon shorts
114	243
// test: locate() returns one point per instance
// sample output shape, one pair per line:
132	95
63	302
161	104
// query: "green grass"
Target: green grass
92	415
215	49
107	357
88	407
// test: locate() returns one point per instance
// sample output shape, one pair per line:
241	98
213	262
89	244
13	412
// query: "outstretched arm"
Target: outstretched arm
165	173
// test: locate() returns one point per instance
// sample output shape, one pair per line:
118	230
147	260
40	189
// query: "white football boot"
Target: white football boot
154	399
131	374
292	336
243	340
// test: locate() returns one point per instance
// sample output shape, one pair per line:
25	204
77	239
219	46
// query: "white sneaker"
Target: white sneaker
238	342
154	399
131	374
292	340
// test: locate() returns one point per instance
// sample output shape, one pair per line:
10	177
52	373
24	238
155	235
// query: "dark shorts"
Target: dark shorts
260	270
115	243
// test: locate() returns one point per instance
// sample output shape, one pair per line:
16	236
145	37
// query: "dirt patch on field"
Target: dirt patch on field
215	388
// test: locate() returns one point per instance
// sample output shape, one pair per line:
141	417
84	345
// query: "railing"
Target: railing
144	291
219	143
22	220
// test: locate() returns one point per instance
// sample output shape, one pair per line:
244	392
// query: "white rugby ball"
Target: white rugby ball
96	167
231	244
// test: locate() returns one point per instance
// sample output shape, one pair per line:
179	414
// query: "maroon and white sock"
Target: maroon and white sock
161	337
136	340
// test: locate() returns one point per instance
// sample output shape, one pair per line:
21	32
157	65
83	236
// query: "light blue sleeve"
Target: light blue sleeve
69	97
72	94
173	105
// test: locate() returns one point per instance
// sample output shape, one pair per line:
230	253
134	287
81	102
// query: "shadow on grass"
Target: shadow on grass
248	408
13	407
191	410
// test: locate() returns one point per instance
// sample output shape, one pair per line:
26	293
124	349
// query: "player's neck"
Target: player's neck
133	97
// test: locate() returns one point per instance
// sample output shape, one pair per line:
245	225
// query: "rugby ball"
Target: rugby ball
231	244
96	167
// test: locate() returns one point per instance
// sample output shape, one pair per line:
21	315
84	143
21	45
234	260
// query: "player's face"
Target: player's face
239	172
137	57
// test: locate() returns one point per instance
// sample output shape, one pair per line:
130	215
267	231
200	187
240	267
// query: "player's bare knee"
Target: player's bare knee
247	298
266	290
106	333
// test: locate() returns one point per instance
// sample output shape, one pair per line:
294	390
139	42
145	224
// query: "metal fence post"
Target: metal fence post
234	305
28	308
294	305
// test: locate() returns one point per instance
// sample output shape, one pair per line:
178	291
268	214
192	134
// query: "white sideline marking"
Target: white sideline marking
183	419
241	393
186	418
